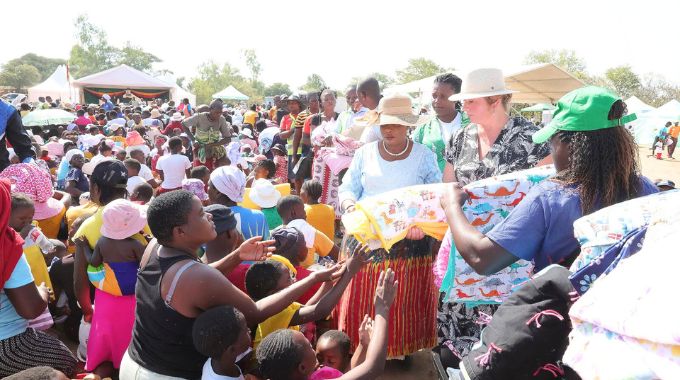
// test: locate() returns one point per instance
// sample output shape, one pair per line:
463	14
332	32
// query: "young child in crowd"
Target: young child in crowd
133	167
160	149
264	169
271	276
658	150
333	349
173	168
290	243
113	271
76	182
319	215
292	211
197	183
142	194
281	161
286	354
221	334
265	196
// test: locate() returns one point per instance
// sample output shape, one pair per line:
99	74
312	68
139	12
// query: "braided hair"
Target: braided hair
278	355
603	164
313	188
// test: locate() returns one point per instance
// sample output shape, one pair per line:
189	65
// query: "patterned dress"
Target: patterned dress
459	325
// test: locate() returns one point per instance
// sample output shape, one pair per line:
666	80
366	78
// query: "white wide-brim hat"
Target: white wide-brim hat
264	194
481	83
396	108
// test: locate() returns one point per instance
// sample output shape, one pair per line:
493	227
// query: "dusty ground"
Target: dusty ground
660	169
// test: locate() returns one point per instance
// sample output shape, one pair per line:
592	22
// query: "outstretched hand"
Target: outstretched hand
385	292
357	259
331	273
365	331
254	249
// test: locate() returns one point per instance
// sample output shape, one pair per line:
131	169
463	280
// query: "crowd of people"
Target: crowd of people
175	241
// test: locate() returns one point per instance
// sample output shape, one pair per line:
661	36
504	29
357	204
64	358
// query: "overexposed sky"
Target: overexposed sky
343	39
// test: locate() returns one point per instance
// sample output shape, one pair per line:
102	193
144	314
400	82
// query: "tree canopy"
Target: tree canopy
418	68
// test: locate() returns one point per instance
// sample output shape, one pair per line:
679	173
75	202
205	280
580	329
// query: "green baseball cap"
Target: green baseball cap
584	109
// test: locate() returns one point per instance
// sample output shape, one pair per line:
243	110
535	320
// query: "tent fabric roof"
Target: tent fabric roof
124	77
539	83
55	83
634	104
230	93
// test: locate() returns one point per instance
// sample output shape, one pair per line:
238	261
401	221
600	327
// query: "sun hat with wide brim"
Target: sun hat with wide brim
397	109
122	219
36	183
247	132
176	117
264	194
481	83
582	110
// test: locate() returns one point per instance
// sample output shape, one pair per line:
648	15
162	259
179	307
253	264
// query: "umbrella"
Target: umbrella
266	138
539	108
52	116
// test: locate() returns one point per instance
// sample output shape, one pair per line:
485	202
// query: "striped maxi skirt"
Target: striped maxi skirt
34	348
413	314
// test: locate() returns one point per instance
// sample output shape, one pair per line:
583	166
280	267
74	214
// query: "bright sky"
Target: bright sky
343	39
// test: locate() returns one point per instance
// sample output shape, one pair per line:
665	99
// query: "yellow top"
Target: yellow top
276	322
91	229
322	217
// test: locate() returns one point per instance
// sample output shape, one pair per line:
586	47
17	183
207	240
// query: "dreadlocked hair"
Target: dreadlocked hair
603	164
278	355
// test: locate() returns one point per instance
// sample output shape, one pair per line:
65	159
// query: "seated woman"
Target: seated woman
596	162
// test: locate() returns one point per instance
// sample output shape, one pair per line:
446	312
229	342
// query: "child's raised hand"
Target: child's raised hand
254	249
385	292
357	259
329	274
365	331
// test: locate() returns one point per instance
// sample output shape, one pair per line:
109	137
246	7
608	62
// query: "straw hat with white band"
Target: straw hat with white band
481	83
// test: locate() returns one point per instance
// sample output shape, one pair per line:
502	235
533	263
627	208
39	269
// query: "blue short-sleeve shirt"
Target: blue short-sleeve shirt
541	227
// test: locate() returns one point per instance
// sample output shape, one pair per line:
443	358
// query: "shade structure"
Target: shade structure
55	86
230	93
539	83
649	123
52	116
540	107
115	81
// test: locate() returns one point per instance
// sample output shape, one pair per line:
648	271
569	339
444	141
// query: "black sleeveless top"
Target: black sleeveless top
161	337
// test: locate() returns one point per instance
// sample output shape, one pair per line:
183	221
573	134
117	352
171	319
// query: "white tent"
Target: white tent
539	83
230	93
56	86
648	124
637	106
121	77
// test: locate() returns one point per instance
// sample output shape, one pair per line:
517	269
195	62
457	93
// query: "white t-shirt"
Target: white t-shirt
145	172
449	128
209	374
174	169
133	182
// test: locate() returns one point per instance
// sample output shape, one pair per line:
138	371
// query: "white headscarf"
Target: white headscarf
234	152
229	181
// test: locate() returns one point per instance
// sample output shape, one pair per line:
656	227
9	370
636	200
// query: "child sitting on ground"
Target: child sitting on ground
133	167
271	276
286	354
292	211
222	335
142	194
319	215
113	271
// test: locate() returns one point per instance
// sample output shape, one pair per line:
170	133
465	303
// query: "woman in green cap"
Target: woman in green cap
597	166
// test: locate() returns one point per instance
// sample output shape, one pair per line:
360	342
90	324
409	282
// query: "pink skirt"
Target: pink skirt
111	329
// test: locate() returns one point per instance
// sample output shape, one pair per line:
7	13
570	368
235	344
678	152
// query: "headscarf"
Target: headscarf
64	165
36	183
234	152
229	181
10	241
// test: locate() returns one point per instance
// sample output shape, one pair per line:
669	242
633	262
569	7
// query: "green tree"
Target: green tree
253	64
623	81
277	88
314	83
418	68
45	66
212	78
19	76
134	56
92	52
566	59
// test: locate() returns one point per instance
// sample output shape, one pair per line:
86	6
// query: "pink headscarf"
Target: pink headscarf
36	183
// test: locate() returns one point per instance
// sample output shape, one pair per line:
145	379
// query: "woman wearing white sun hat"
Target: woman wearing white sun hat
493	143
